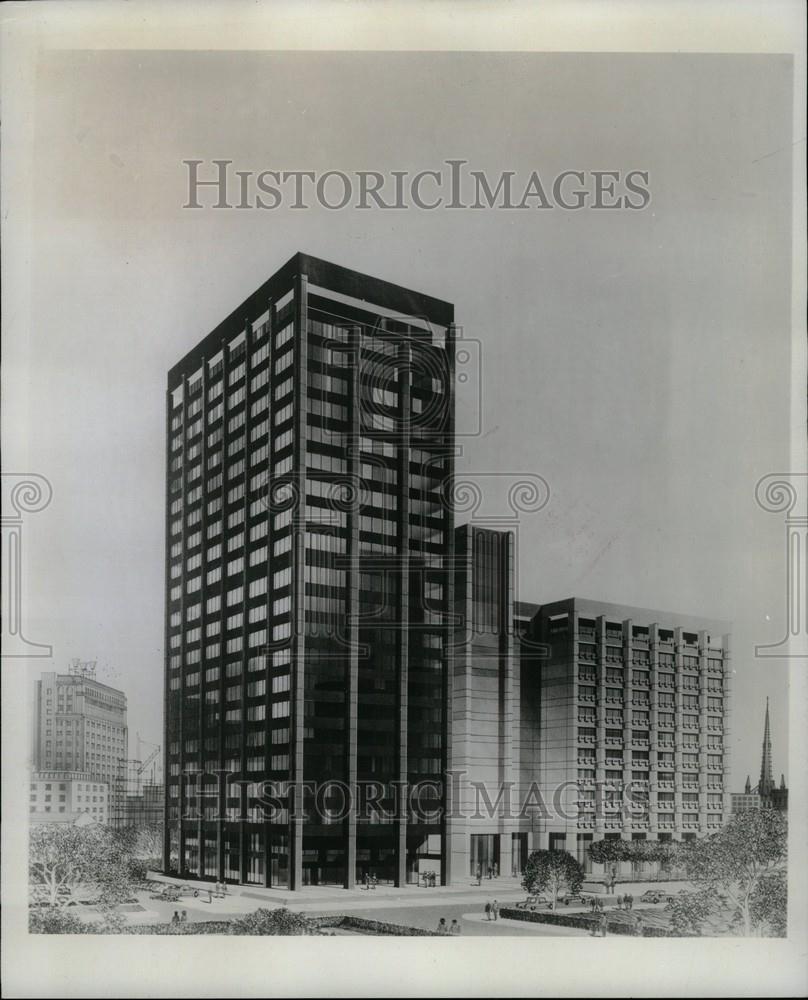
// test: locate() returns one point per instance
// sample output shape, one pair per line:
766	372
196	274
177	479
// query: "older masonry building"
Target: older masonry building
80	727
68	797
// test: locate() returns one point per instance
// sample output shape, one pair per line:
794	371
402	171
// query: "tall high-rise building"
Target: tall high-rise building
81	727
308	583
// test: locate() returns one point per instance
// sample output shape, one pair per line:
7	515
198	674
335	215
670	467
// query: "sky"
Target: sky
638	361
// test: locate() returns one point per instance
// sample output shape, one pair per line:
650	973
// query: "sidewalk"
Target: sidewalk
241	899
334	897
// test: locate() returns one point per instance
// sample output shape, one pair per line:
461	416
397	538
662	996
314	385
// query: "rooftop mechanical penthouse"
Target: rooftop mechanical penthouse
308	583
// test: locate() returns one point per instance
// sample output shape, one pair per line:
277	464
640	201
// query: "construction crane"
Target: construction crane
150	759
140	765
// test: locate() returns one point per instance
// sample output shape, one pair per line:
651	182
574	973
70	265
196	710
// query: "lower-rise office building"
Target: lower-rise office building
633	724
578	720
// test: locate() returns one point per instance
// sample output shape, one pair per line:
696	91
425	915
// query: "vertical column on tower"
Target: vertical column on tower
298	637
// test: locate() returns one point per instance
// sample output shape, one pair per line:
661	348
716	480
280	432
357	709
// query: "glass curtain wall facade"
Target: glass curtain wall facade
309	540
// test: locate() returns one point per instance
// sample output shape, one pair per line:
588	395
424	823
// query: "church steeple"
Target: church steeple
748	786
766	784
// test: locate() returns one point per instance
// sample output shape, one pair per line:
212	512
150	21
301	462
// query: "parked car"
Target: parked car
573	897
656	896
171	893
533	903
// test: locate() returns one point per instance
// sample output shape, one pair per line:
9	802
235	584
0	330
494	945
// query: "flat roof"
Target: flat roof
640	616
332	277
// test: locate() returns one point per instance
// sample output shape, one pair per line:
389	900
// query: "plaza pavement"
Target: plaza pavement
411	906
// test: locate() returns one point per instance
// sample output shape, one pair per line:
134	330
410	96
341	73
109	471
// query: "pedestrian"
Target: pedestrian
630	901
373	881
619	902
487	911
495	908
176	918
210	896
593	904
496	870
442	928
490	871
479	874
603	924
638	925
455	928
184	917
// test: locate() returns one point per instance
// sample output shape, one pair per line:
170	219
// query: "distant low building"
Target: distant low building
68	797
746	800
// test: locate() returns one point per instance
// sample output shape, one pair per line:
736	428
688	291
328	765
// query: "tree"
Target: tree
142	842
56	862
149	842
666	852
552	871
609	853
769	904
280	921
65	858
734	863
689	911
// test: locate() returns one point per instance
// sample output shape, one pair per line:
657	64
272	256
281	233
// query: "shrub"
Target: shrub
199	927
54	920
580	920
280	921
373	926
